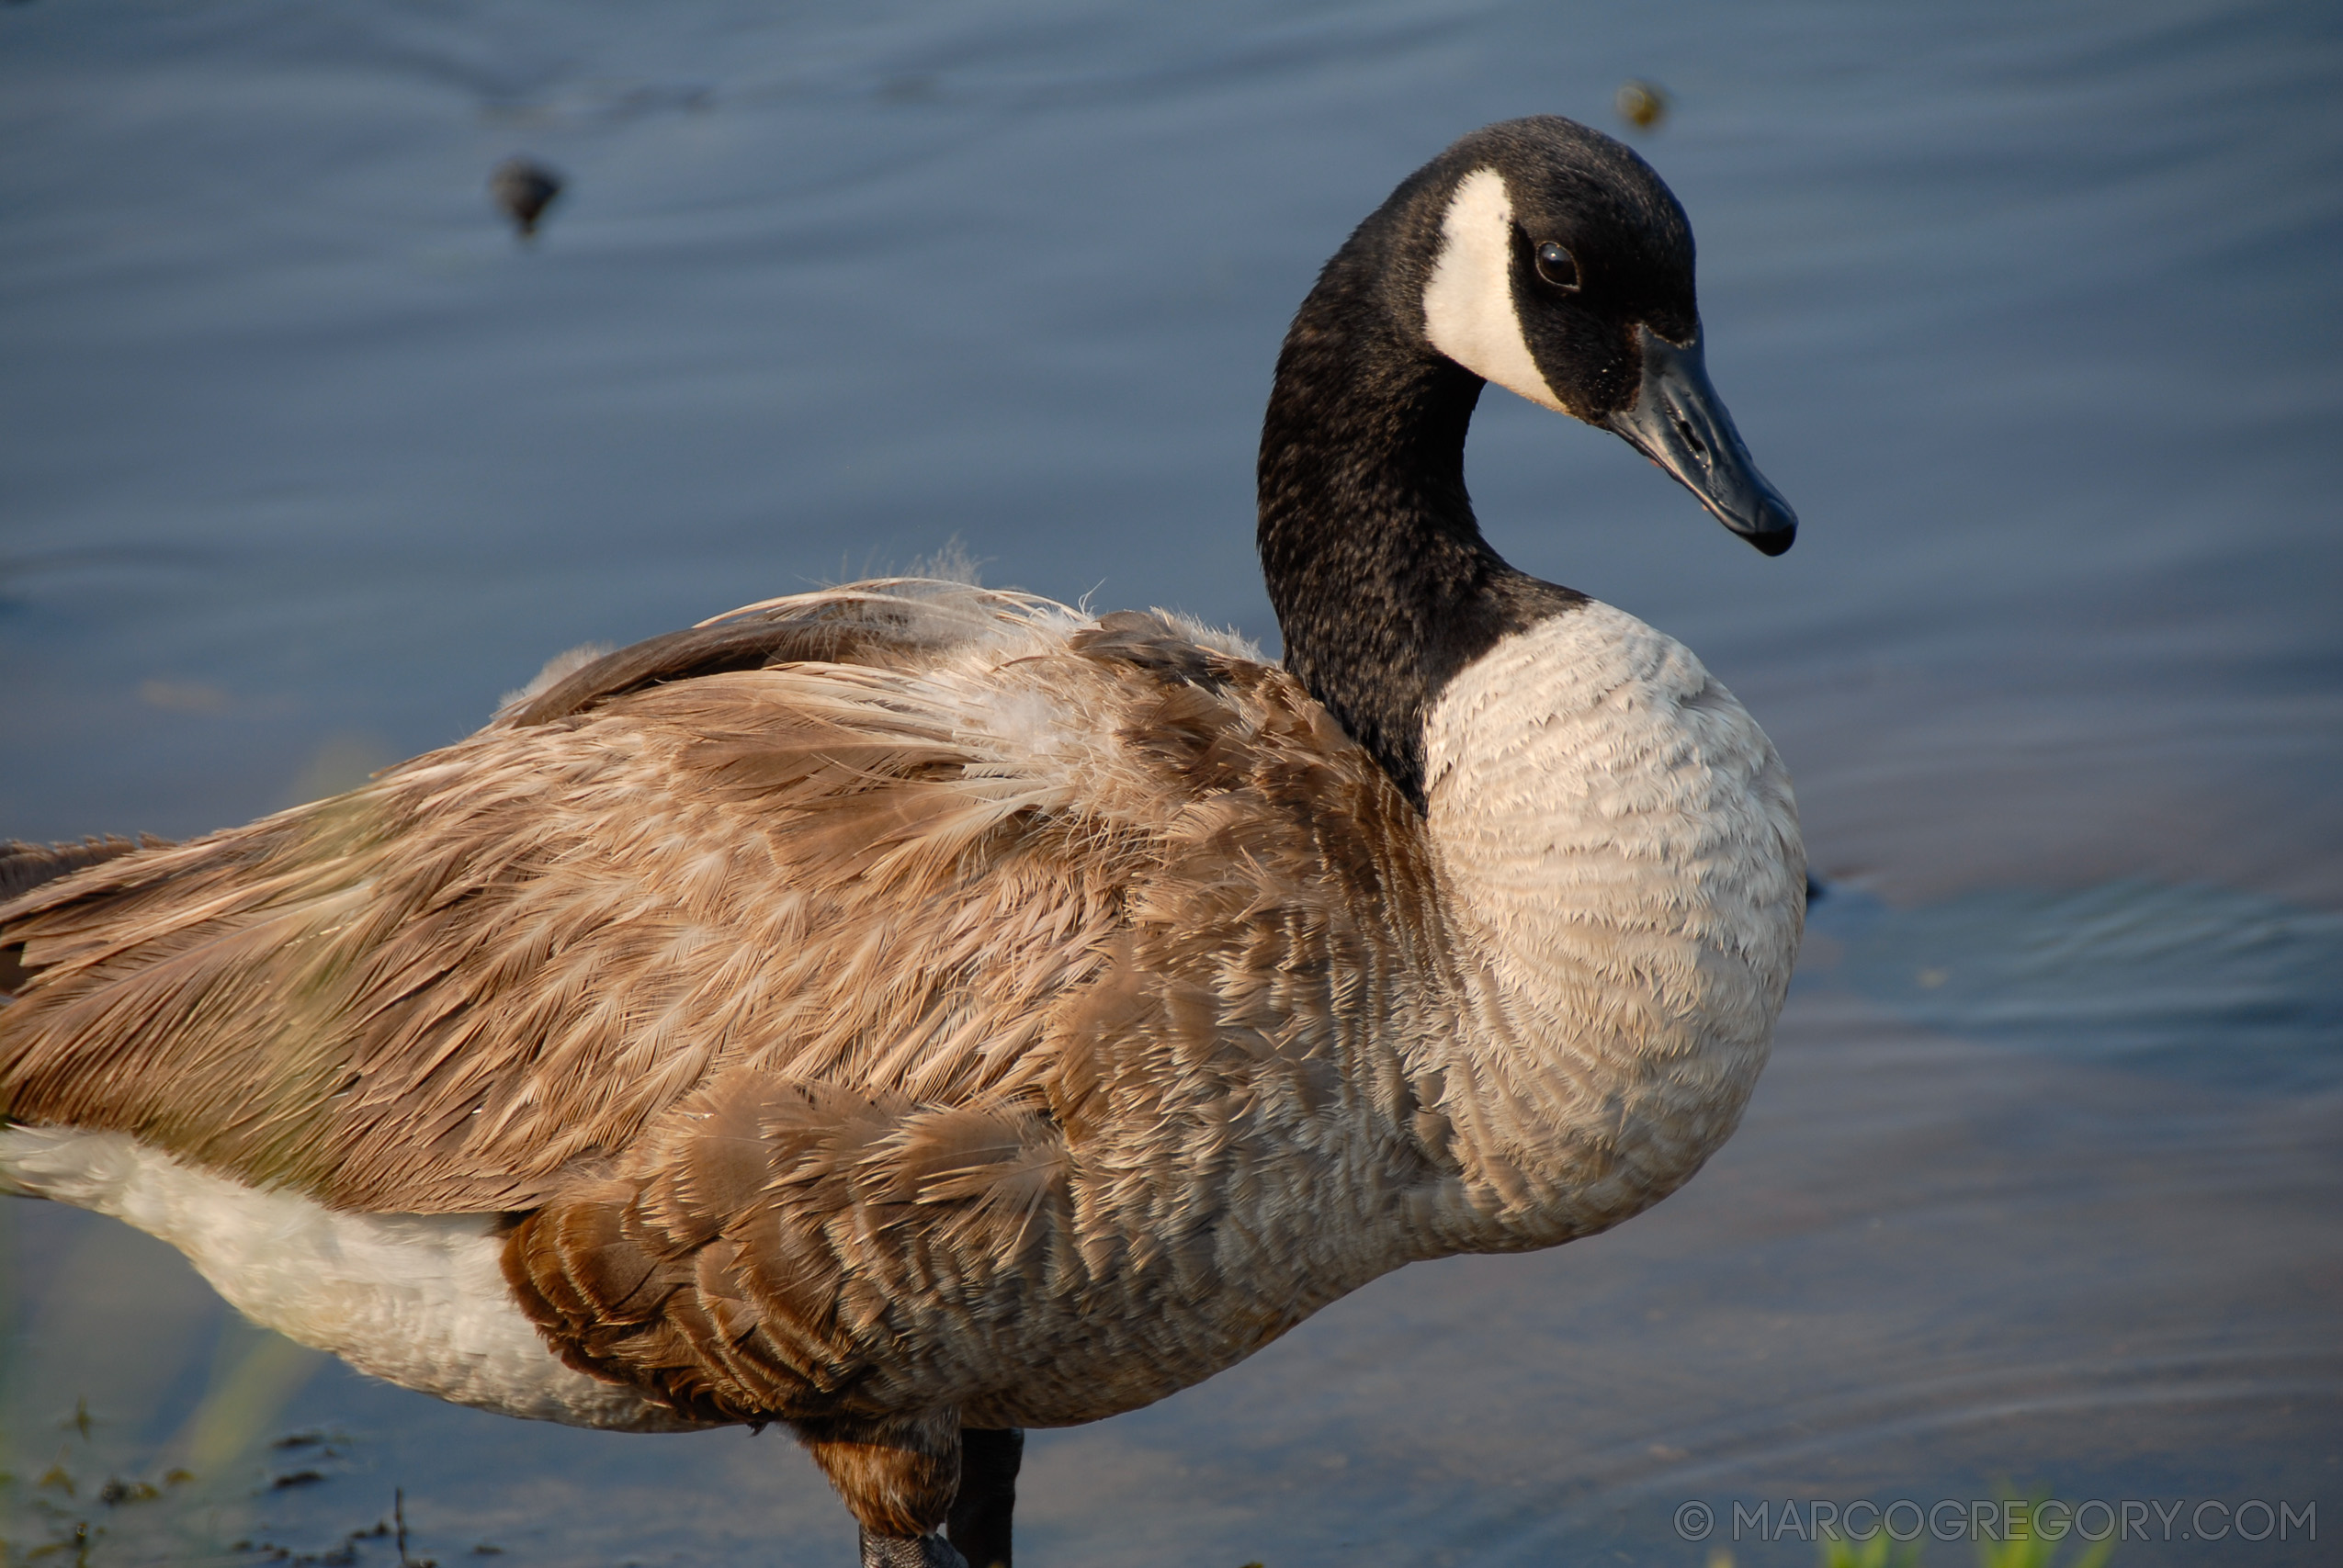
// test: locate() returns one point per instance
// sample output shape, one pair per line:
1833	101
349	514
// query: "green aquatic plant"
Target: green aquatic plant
2021	1548
2030	1550
2026	1547
1879	1552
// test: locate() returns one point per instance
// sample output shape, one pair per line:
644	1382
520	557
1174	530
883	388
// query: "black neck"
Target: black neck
1382	582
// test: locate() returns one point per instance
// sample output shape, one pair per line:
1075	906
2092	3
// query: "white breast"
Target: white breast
1619	840
417	1300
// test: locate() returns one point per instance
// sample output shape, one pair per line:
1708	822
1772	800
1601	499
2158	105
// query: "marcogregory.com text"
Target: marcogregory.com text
2002	1518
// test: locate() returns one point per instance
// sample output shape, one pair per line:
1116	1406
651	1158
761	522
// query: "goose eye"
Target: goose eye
1557	266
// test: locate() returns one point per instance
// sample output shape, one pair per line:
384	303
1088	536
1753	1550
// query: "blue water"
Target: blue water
2031	312
2207	983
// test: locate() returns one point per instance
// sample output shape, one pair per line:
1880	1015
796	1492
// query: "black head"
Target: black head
1561	268
1536	253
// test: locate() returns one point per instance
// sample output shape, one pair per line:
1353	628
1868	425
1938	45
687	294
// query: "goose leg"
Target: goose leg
897	1474
978	1525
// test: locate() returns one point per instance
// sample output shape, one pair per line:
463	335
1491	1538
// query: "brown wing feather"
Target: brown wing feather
1062	1244
869	623
24	866
826	1040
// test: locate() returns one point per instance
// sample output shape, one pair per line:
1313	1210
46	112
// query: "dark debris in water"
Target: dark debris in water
343	1553
300	1441
523	188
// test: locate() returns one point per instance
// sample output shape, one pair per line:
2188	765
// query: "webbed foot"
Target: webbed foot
910	1551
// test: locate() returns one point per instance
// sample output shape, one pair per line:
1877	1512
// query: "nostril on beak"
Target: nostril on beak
1684	429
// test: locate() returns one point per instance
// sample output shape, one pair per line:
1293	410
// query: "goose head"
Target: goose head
1562	271
1537	254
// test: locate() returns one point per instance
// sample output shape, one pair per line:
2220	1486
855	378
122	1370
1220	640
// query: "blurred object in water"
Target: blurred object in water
182	696
523	188
1641	104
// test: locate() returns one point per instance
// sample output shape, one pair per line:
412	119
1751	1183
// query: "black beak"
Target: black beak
1678	421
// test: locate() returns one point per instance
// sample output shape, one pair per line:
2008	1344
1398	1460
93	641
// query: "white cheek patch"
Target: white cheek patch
1468	311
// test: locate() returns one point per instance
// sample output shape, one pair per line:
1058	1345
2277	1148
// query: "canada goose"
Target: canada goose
913	1013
